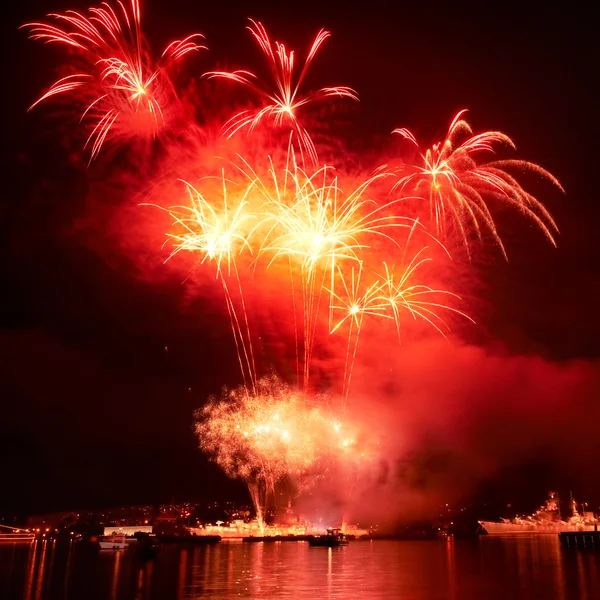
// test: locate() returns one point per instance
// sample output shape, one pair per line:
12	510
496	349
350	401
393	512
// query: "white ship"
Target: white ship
545	520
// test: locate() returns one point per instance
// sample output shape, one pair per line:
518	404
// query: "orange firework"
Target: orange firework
272	433
284	98
418	300
122	89
355	303
387	296
219	234
457	185
315	227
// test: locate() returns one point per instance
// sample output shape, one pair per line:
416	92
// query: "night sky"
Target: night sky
101	368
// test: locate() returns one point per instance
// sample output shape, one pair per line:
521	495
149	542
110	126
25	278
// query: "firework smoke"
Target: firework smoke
272	433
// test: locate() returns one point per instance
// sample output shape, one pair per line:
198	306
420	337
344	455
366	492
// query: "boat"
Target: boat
332	539
113	542
545	520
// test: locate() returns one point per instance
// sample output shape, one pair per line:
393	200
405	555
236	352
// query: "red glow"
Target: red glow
308	259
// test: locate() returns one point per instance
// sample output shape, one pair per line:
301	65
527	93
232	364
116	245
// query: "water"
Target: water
488	569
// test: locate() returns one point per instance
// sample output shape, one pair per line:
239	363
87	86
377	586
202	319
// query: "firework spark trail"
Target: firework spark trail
284	95
322	231
418	299
218	234
310	222
457	185
274	432
387	297
355	303
121	86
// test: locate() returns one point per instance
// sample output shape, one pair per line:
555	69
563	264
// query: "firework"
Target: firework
457	184
342	247
122	89
284	96
420	301
300	220
274	432
219	233
315	228
387	296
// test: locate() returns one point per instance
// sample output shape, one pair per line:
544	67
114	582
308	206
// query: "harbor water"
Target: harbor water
517	568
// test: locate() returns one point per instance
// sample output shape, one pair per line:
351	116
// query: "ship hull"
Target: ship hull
492	528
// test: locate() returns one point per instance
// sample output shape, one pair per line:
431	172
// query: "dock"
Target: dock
276	538
15	534
189	539
580	539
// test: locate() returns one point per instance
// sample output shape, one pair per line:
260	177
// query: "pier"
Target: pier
189	539
276	538
15	534
580	539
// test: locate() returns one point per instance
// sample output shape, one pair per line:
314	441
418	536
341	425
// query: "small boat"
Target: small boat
113	542
332	539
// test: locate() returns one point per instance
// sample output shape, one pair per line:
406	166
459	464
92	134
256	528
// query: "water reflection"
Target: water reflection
36	569
581	576
451	568
494	569
329	571
557	565
182	578
30	570
39	580
588	583
144	581
115	576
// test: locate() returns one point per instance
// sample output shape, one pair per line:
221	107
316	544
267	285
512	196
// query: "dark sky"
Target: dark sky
100	371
